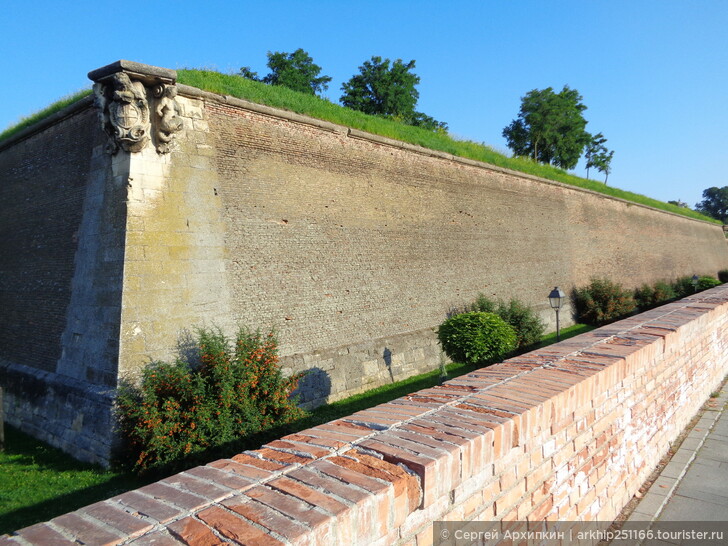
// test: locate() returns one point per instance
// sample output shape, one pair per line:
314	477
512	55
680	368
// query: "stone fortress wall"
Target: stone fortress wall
130	221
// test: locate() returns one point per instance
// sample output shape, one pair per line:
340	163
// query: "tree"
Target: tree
603	163
427	122
550	127
715	203
296	71
386	88
246	72
598	156
593	148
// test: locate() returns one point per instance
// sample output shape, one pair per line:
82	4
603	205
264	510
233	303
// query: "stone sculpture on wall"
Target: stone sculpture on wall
128	118
169	121
124	112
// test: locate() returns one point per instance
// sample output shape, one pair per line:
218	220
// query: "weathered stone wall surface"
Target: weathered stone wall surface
175	248
567	433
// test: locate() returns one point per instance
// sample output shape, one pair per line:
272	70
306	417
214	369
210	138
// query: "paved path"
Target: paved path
693	486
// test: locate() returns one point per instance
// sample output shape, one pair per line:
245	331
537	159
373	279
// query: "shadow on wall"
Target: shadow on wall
387	356
187	348
314	388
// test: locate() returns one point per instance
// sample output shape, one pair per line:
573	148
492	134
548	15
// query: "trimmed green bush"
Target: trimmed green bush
723	275
178	409
707	281
602	301
527	324
476	338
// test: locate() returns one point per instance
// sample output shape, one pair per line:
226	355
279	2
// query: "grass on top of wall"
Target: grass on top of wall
317	107
44	113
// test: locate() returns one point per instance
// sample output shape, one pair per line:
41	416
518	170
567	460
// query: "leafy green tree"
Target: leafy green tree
247	72
296	71
602	161
550	127
381	89
386	88
593	148
427	122
715	203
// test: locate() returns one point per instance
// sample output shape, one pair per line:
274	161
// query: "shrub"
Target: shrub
683	286
723	275
707	281
602	301
476	338
483	304
644	296
179	409
647	296
527	324
663	292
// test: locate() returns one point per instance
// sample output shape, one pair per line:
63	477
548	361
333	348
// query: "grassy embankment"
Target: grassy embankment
42	114
38	482
316	107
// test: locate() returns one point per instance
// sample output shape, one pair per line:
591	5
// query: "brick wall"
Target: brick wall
44	180
343	240
565	433
62	220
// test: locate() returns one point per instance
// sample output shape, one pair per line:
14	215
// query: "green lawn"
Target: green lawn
38	482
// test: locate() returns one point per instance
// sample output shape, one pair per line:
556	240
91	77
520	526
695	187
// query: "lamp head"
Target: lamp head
556	298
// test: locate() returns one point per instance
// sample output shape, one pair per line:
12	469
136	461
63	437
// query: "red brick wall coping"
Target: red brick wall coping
568	432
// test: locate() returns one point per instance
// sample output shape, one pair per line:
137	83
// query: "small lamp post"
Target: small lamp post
695	283
556	300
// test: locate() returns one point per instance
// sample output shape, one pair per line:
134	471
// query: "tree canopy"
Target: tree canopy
715	203
387	88
550	127
295	70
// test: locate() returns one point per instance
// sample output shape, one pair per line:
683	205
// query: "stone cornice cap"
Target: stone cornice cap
150	75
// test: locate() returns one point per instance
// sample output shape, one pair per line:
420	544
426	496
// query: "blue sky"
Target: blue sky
653	74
